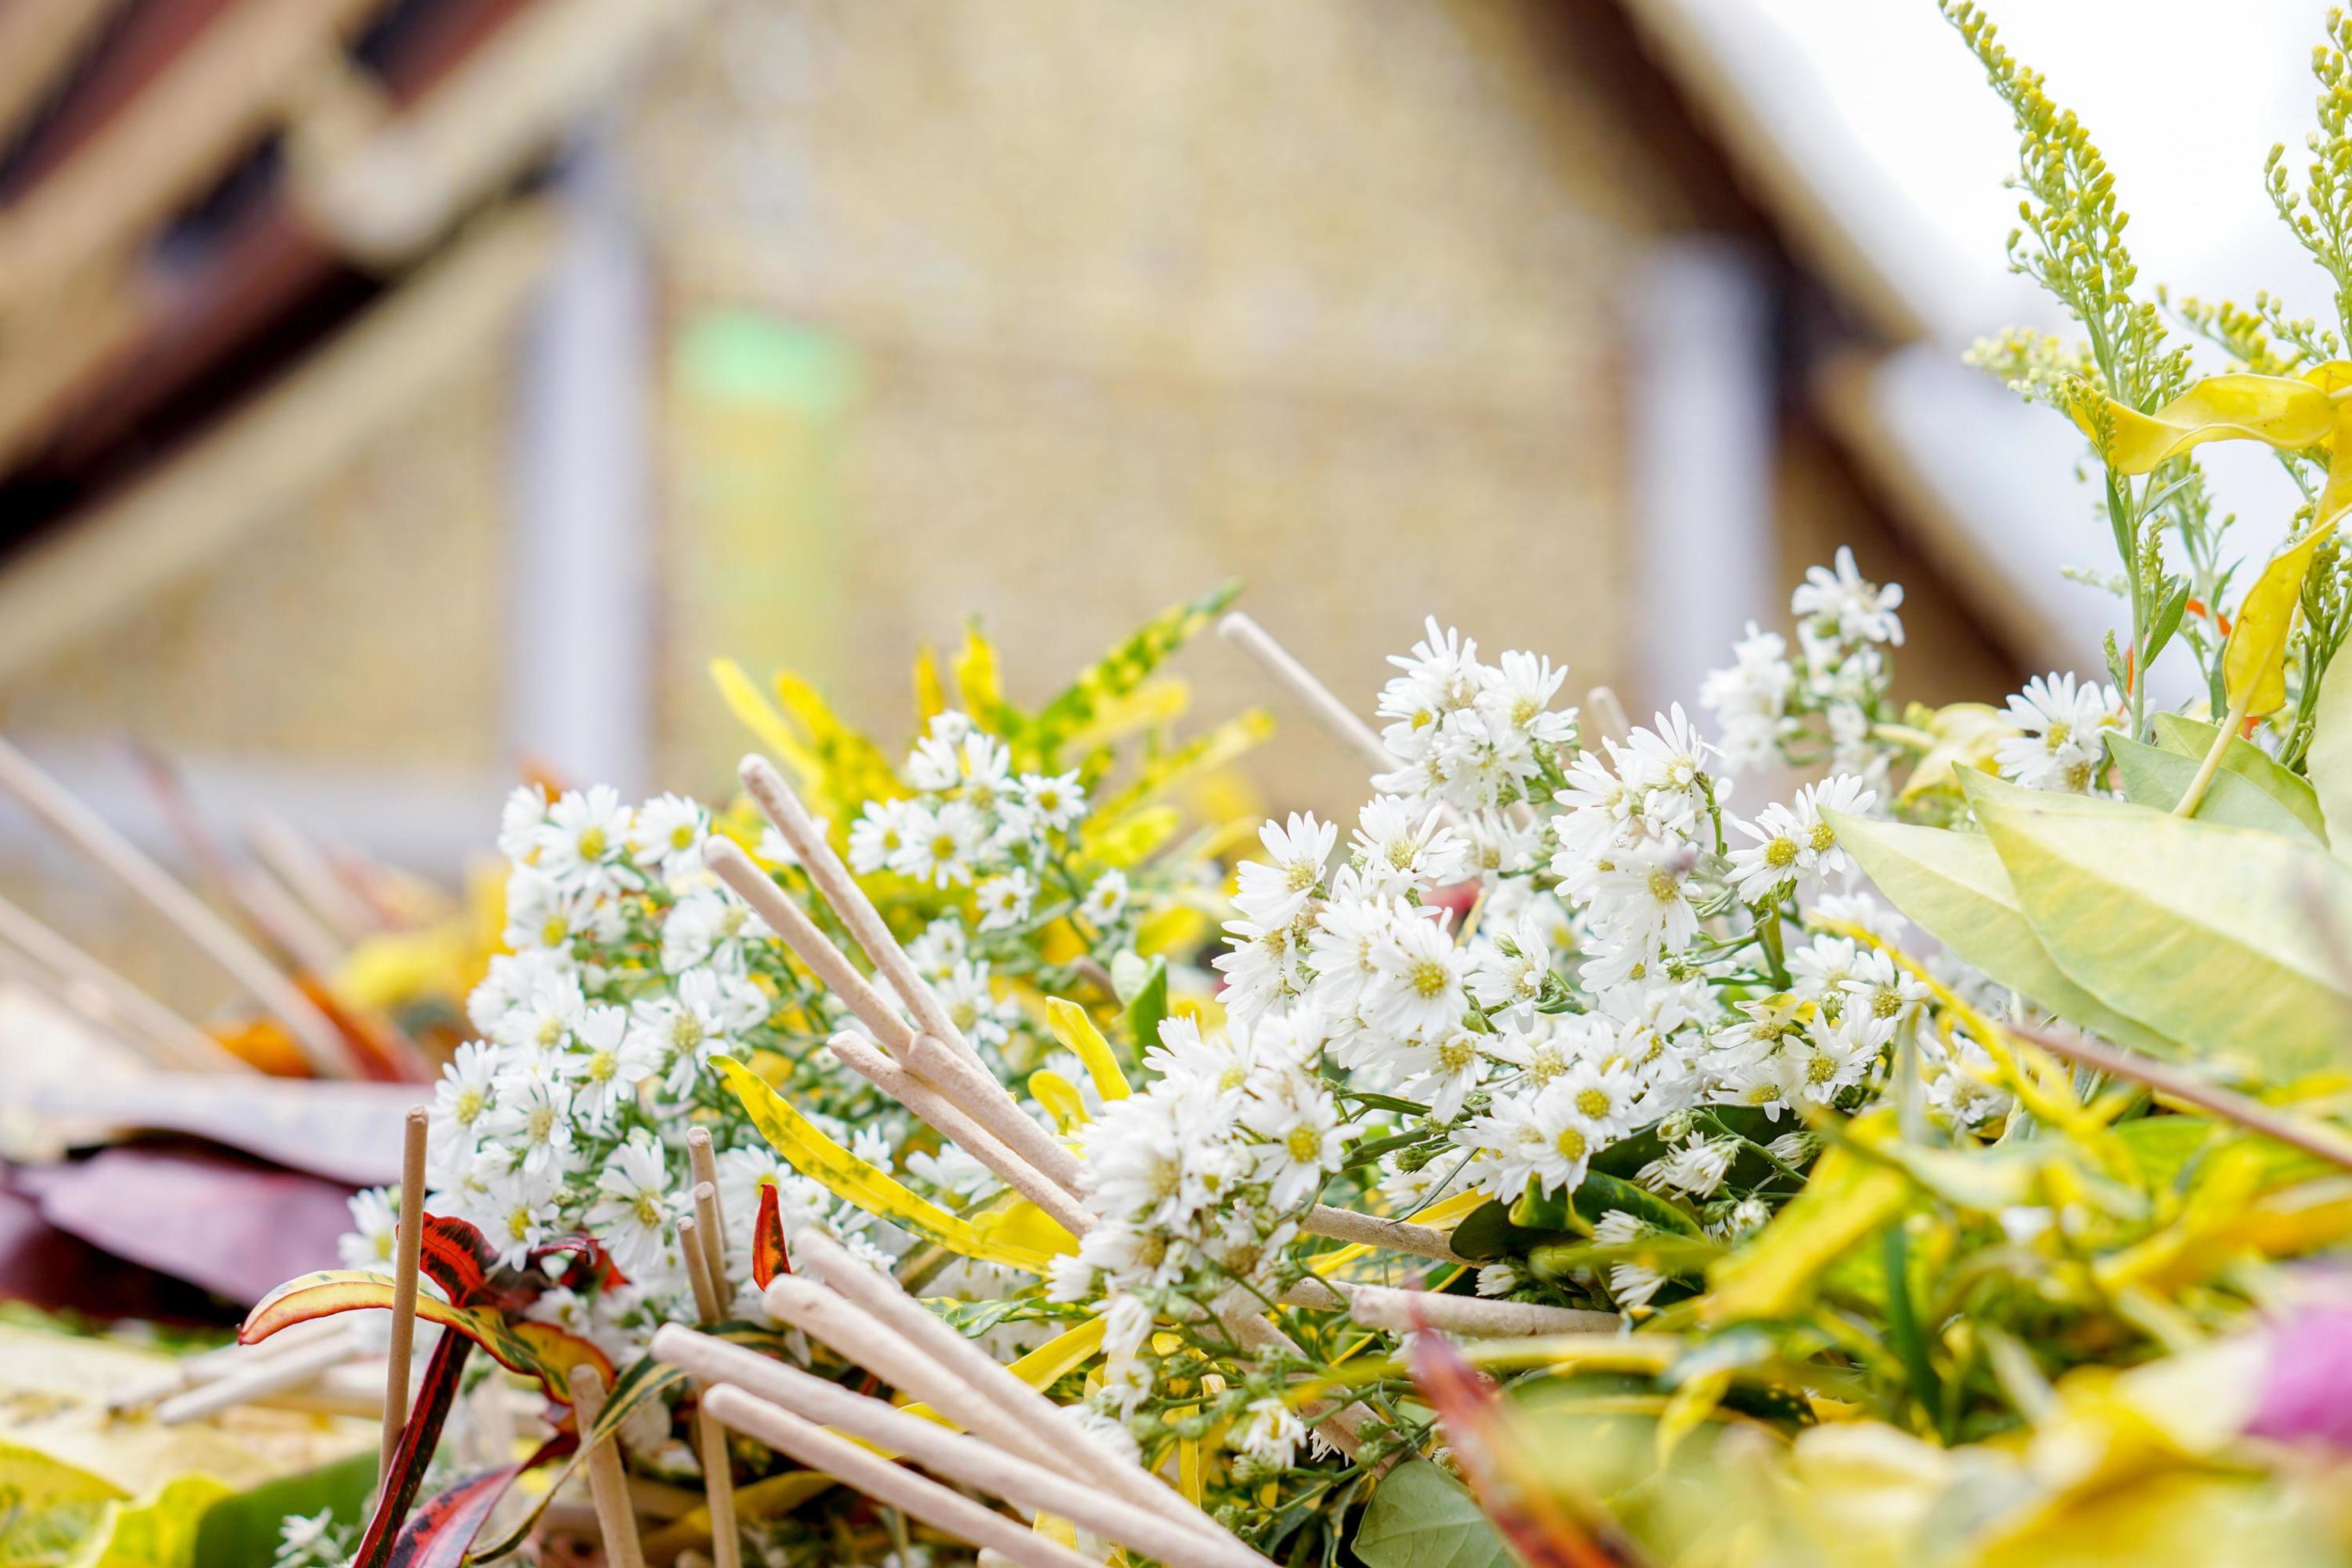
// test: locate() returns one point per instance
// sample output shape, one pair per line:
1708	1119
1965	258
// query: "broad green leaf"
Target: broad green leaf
1951	885
2156	777
1148	1009
1419	1517
2192	738
2329	760
2220	938
241	1530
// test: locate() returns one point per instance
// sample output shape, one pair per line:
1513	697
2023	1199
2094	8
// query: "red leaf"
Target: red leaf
445	1527
769	1258
440	1534
435	1393
454	1257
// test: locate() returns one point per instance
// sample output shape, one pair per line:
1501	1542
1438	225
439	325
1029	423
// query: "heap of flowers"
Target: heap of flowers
1954	1217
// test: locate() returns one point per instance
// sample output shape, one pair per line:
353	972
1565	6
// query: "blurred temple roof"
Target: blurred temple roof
199	197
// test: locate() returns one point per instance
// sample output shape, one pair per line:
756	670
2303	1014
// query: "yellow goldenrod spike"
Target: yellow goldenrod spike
1073	1028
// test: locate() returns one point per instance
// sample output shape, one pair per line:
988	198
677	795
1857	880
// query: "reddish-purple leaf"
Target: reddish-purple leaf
453	1254
439	1534
435	1392
57	1271
769	1258
226	1224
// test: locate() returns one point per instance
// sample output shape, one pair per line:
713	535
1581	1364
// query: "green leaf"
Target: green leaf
240	1531
2192	738
2225	939
1485	1232
1951	885
1147	1008
2329	759
2160	778
1419	1517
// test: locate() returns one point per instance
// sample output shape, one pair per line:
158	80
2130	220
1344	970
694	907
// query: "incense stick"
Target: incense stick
966	1459
703	1242
728	862
408	1244
89	833
165	1033
1383	1307
607	1485
1606	716
1336	717
829	1319
273	1375
909	1321
990	1103
948	1119
775	797
1372	1230
878	1478
1342	1429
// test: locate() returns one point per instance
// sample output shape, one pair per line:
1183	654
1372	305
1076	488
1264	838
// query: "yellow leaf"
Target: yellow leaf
2286	412
1075	1030
2253	662
1966	735
1201	754
931	695
1137	837
844	1174
1847	1197
1010	1220
977	682
1060	1098
757	714
1161	701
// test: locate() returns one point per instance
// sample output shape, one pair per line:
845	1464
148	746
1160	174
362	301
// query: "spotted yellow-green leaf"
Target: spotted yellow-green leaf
2158	776
1072	1026
1124	668
2254	661
1951	886
808	1151
2329	758
2216	937
521	1344
2192	738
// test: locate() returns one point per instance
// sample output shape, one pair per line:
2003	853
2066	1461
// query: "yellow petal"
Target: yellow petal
1060	1098
2280	411
2254	663
813	1154
757	714
1075	1030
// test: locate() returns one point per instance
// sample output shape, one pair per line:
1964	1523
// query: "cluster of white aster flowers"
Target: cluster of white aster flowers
1498	995
1821	701
1199	1181
974	823
2063	727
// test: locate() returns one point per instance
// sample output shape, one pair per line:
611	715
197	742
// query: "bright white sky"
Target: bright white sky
2185	98
1890	113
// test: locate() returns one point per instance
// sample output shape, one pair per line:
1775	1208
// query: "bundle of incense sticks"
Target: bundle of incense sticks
286	920
927	1064
1015	1444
